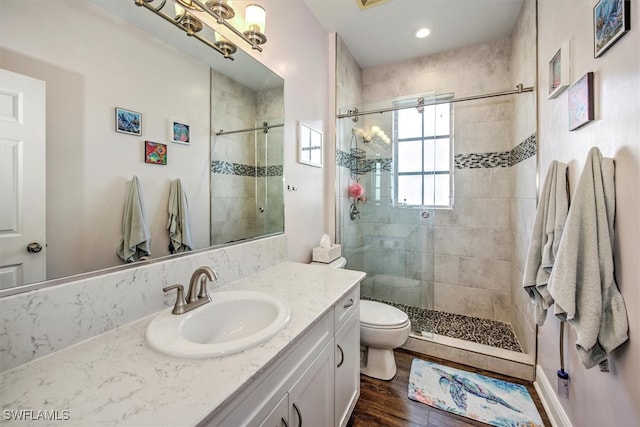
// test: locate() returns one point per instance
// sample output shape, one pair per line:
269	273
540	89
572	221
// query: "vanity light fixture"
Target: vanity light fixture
375	132
222	11
189	17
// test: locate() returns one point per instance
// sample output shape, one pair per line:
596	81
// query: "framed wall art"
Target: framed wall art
611	20
309	146
179	132
581	110
155	153
128	121
559	71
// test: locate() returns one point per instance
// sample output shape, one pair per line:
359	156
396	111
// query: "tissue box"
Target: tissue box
327	255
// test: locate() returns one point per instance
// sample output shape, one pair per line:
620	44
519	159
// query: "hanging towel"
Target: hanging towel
582	282
136	239
551	215
178	225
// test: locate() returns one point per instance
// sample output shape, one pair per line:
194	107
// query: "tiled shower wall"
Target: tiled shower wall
243	182
461	256
523	173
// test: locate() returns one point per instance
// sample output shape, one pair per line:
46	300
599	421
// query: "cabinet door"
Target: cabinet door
347	374
279	415
311	397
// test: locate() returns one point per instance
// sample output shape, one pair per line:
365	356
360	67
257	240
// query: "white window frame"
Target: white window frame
423	138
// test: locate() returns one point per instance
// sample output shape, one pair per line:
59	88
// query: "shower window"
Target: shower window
422	150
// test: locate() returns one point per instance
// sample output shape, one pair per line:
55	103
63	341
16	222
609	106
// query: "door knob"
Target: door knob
34	247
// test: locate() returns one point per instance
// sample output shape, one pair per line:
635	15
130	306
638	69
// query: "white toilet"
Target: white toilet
382	329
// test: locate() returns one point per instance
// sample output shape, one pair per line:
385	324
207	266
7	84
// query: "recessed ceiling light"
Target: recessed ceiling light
422	33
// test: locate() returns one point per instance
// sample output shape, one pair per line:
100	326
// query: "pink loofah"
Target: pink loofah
356	190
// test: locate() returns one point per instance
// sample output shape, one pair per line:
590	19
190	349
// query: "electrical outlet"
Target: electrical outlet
563	387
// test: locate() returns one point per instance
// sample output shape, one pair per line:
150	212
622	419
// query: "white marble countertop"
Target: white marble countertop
115	379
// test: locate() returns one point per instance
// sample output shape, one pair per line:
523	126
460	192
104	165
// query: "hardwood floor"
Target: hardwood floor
385	403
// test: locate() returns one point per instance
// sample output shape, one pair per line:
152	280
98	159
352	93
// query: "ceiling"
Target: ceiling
384	33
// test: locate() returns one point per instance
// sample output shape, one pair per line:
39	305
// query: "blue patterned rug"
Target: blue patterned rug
491	401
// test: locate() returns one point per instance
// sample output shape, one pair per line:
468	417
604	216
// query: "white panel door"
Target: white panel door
22	179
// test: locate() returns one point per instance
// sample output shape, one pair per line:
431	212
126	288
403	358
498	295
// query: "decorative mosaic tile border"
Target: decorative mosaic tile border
474	329
345	159
482	160
228	168
524	150
521	152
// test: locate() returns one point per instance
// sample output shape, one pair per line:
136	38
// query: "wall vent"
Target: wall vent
366	4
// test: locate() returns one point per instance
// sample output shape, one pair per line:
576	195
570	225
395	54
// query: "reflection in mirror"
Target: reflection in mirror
309	146
246	167
97	56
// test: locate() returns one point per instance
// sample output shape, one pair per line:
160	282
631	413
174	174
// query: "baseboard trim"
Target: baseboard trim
550	401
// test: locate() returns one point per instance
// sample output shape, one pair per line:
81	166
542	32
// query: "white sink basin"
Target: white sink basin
232	322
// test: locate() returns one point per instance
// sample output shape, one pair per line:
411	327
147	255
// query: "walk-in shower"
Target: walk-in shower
423	229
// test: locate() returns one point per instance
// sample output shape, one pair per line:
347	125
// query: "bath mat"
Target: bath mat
491	401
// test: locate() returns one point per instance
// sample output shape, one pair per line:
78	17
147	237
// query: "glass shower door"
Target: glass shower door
390	241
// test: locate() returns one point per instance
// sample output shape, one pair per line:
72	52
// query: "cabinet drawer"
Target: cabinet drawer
347	305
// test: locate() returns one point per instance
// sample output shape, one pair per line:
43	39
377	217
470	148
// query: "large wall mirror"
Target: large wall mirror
97	56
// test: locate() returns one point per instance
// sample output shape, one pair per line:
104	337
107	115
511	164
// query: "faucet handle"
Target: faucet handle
204	292
180	304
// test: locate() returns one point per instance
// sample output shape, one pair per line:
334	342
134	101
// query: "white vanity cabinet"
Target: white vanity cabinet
316	382
311	398
310	401
347	364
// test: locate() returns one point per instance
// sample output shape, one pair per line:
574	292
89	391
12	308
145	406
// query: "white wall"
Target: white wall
298	50
596	398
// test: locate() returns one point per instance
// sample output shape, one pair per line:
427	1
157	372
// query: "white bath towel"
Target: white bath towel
582	282
136	239
551	215
178	224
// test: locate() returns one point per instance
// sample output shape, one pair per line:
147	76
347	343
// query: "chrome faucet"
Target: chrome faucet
195	298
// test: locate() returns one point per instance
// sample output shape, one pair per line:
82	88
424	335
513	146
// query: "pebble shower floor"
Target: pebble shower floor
474	329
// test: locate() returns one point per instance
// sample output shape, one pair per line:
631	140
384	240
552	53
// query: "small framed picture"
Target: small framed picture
309	146
155	153
128	121
581	109
559	71
179	132
611	20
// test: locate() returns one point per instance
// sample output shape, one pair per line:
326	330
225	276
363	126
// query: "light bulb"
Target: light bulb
256	18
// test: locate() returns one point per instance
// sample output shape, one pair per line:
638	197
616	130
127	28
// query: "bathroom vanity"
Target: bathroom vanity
307	374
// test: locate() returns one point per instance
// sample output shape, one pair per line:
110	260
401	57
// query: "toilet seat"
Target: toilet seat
377	315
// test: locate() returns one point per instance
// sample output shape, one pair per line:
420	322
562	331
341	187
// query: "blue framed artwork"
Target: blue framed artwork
128	121
179	132
611	20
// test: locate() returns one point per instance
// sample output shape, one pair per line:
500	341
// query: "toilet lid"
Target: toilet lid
379	315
